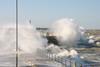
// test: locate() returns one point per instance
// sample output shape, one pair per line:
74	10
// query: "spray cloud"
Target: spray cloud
67	32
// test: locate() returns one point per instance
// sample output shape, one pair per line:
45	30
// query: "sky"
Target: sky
43	13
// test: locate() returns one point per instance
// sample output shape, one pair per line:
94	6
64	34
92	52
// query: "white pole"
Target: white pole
16	33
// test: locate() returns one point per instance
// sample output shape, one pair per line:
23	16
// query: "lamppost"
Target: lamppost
16	33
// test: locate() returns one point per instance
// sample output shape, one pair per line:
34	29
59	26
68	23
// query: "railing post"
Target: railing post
65	63
80	65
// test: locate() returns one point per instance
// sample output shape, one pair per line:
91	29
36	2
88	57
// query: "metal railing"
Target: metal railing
68	62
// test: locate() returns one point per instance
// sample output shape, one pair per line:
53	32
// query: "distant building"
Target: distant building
93	31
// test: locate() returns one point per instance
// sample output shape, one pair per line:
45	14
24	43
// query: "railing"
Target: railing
68	62
90	65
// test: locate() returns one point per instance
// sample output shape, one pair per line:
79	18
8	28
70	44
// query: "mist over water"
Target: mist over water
29	42
7	39
28	39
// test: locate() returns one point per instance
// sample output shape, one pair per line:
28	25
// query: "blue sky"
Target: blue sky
44	12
